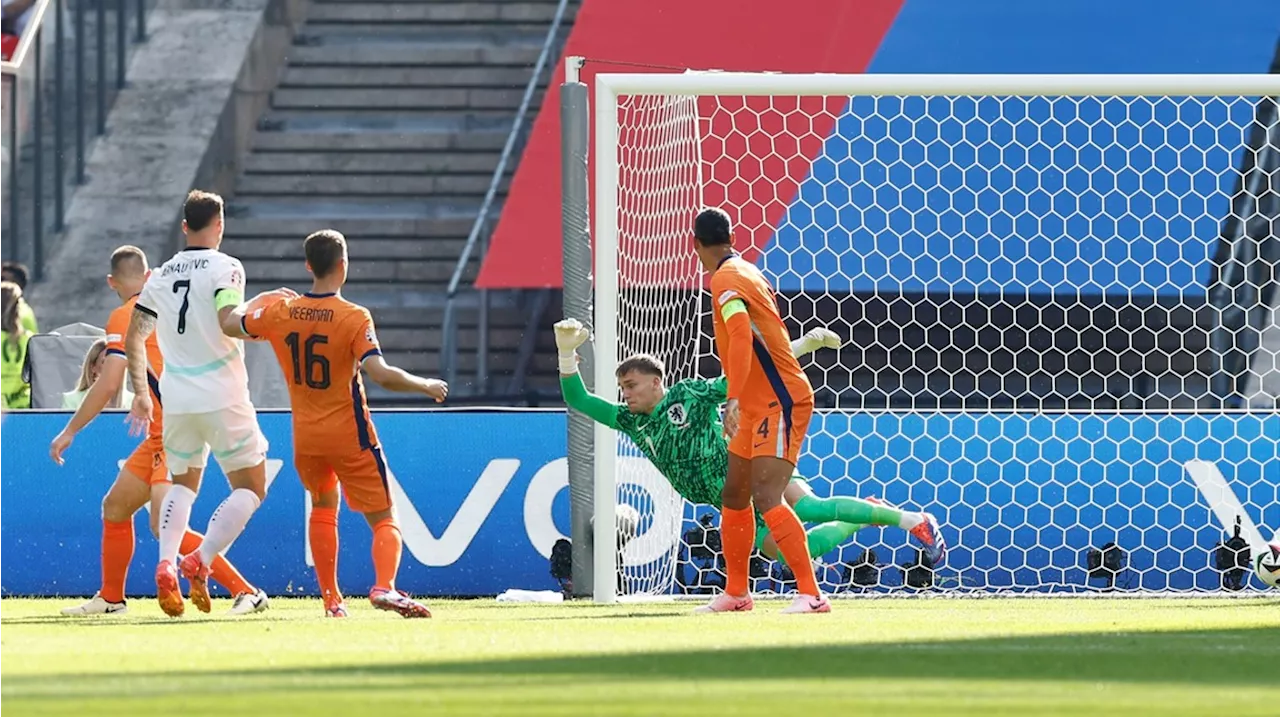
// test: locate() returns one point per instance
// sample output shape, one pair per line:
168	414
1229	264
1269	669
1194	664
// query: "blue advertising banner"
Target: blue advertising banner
471	526
1022	497
483	496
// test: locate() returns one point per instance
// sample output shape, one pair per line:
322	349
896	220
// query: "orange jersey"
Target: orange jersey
117	327
320	340
754	346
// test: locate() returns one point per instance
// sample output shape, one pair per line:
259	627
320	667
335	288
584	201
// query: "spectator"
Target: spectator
17	273
88	374
15	14
13	348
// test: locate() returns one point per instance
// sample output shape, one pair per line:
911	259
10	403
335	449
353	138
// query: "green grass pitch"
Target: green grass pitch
928	656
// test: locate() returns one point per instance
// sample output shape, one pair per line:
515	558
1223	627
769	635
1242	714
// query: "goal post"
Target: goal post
1020	266
605	325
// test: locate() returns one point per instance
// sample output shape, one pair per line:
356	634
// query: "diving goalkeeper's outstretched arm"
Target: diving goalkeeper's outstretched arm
570	334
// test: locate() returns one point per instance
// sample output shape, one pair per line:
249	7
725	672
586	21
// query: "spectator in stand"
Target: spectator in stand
13	348
14	16
89	373
17	273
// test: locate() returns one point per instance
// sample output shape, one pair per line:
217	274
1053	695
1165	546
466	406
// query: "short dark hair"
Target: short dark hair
712	227
323	250
644	363
200	209
17	272
128	260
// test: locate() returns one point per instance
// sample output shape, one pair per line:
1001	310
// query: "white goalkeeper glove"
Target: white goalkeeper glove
570	334
813	340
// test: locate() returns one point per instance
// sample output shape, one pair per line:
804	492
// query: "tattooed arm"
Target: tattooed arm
135	348
141	325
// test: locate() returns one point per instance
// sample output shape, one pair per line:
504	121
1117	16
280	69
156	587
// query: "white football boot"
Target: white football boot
97	606
247	603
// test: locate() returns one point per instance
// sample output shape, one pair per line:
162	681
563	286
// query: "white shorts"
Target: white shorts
232	433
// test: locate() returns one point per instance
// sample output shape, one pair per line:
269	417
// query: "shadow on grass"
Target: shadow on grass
77	622
1219	658
666	614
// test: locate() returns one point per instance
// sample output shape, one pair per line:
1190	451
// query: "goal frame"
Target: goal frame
610	86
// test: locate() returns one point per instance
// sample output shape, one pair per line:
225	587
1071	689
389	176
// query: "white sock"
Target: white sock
175	513
227	523
910	520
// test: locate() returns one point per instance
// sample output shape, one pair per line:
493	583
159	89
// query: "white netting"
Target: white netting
659	178
1037	338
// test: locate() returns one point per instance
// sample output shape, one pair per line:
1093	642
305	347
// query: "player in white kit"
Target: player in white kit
205	394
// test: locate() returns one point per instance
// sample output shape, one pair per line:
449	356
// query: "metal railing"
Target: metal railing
482	229
89	41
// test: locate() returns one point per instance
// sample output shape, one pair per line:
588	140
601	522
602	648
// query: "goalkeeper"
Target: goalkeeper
678	429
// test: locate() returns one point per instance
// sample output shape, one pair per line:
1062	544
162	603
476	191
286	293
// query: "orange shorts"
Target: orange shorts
779	433
363	477
147	461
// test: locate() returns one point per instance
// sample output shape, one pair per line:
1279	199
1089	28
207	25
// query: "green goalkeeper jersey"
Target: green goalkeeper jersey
683	437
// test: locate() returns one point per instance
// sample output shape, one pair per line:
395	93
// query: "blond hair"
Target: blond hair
86	373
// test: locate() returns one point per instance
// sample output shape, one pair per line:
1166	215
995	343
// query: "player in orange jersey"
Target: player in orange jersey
321	341
768	406
144	477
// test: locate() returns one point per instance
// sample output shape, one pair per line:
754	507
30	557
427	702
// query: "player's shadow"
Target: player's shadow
192	617
1218	658
107	620
665	615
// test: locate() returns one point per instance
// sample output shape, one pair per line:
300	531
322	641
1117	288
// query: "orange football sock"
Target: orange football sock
226	575
386	553
190	543
222	571
788	533
737	538
117	553
323	530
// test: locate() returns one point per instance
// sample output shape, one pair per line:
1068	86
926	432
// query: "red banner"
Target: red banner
759	149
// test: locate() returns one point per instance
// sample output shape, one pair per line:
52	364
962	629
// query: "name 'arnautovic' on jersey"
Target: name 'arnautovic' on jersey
204	368
683	438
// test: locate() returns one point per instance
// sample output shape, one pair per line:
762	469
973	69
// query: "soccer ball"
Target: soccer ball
1267	563
627	521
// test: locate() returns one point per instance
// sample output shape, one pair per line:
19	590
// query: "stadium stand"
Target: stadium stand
386	121
387	125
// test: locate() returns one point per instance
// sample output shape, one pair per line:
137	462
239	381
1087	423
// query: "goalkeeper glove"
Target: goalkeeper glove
813	340
570	334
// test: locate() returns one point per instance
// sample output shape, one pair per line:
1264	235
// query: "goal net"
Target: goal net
1038	284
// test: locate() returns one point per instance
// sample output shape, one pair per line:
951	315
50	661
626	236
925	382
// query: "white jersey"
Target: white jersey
203	368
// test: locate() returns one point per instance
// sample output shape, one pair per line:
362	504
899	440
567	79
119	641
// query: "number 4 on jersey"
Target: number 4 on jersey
763	430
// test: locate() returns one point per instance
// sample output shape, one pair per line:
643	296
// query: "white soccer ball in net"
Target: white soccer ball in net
1267	562
626	521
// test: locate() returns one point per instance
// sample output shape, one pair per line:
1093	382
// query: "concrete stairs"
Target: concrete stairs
387	125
